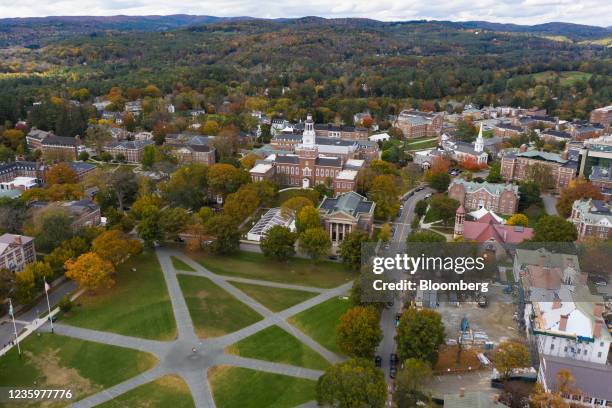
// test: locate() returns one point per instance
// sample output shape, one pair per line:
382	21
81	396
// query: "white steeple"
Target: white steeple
479	145
308	137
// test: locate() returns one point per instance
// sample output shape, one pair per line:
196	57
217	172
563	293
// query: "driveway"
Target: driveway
550	204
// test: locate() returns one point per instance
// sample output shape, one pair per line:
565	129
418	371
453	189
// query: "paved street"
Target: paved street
178	357
387	320
6	326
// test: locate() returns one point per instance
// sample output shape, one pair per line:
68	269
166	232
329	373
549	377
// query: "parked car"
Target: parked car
398	317
378	361
420	188
428	196
393	359
392	372
598	280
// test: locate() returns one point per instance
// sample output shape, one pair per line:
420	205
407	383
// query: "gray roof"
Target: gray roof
38	134
18	165
351	203
538	155
288	159
599	173
592	379
557	133
328	161
471	400
53	140
492	188
81	166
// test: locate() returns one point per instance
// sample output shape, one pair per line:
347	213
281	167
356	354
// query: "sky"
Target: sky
591	12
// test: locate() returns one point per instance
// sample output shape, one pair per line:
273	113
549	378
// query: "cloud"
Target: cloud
505	11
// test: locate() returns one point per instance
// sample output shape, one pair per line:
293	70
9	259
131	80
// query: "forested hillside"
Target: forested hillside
336	66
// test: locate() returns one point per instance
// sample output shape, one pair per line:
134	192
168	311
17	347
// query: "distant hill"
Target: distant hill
34	32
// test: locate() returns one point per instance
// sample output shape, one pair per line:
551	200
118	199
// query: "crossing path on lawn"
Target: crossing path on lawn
190	357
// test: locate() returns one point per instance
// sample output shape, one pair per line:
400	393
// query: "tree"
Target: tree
443	208
410	381
224	178
148	156
494	175
83	156
419	335
173	221
421	208
354	383
295	204
315	243
124	185
61	173
439	181
242	203
552	228
518	219
308	217
385	234
577	189
383	192
148	228
278	243
91	271
115	246
541	175
529	194
96	137
50	226
187	187
425	236
41	271
26	286
226	233
350	248
358	332
508	356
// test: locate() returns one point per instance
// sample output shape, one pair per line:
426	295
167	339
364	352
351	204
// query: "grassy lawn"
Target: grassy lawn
320	321
180	265
235	387
276	345
168	391
138	305
58	362
298	192
295	271
275	299
214	311
422	144
567	78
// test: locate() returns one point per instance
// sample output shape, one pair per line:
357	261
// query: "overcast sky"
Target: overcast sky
592	12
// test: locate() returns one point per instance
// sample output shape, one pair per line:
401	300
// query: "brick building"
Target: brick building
497	197
515	167
584	130
602	178
131	150
592	218
506	130
16	251
60	148
10	171
603	116
414	124
341	132
345	213
84	213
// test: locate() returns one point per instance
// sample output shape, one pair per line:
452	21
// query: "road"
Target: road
550	204
387	320
6	327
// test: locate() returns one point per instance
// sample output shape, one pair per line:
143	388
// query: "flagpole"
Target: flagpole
12	313
48	304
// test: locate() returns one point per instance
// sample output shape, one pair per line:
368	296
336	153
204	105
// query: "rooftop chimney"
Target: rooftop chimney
597	328
563	322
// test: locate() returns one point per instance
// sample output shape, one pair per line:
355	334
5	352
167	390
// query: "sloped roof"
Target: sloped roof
350	203
592	379
492	188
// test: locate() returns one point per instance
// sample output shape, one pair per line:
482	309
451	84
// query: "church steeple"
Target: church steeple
479	145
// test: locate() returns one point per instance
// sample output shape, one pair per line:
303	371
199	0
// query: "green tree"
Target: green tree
419	335
41	271
552	228
358	332
494	175
187	187
148	156
315	243
385	234
226	233
443	208
529	194
224	179
148	228
383	192
421	208
26	286
425	236
411	379
307	218
278	243
439	181
50	226
173	221
355	383
296	204
350	248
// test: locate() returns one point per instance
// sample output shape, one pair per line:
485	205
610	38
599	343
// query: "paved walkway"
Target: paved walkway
190	357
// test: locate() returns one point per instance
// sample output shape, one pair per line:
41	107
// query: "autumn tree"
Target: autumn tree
173	221
96	137
115	246
41	271
278	243
577	189
187	186
224	179
61	173
242	203
308	217
410	381
149	228
315	243
358	332
350	248
509	356
226	233
383	191
91	271
385	234
352	384
419	335
25	286
295	204
518	219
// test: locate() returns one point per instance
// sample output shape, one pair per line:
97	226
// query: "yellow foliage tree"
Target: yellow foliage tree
90	271
115	246
518	219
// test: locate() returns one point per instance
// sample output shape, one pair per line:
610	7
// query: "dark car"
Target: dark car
392	372
378	361
398	317
393	360
598	280
420	189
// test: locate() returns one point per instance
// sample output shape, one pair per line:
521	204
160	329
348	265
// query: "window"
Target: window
552	346
599	402
565	349
576	397
587	399
599	355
